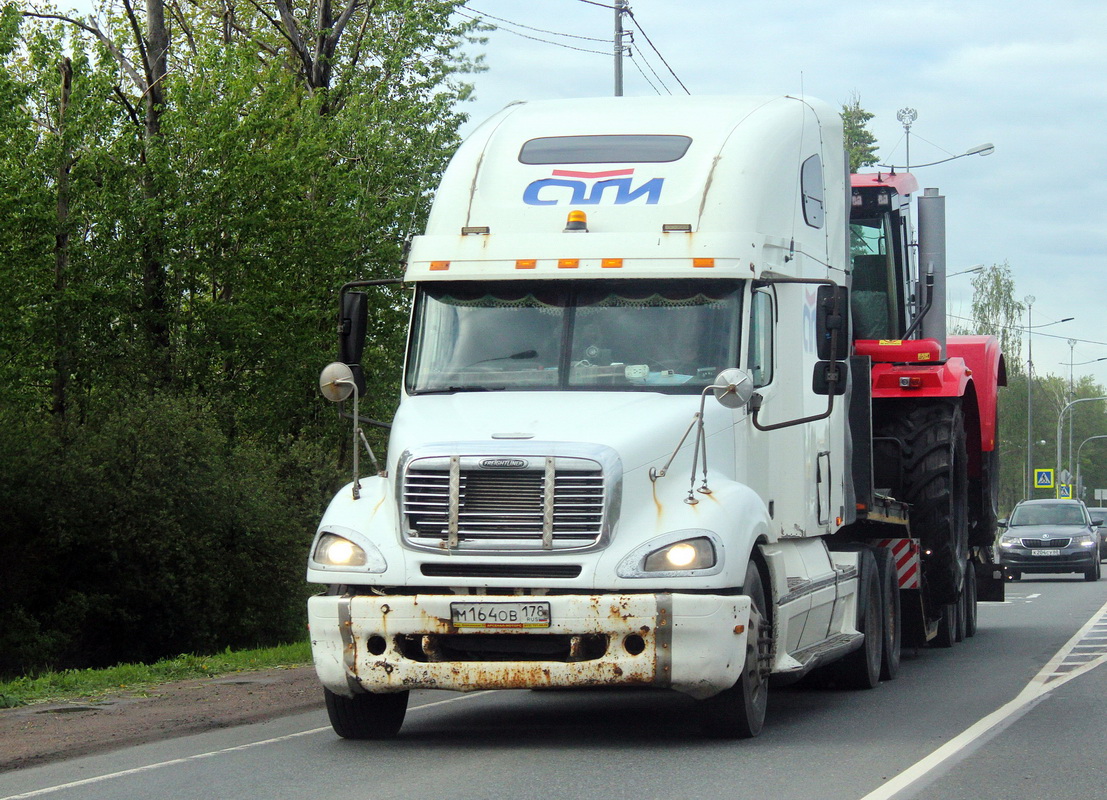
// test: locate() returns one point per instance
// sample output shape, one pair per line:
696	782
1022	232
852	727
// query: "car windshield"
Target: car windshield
1047	514
658	335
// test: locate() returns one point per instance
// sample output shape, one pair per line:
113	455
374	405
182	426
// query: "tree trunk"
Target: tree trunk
62	355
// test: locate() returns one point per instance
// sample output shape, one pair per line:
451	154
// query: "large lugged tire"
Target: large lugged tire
921	455
739	712
366	716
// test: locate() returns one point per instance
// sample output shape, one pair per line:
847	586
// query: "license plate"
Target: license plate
500	615
1048	552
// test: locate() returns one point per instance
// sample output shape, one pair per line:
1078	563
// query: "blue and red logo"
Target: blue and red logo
588	188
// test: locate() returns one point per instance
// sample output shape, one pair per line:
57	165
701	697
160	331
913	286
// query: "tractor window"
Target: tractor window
875	298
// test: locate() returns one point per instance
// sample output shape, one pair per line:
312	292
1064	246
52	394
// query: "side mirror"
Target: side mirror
336	382
820	378
1002	523
832	317
352	324
1097	522
733	387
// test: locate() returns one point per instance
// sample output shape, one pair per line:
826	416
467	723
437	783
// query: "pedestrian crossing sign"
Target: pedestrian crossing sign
1064	491
1043	479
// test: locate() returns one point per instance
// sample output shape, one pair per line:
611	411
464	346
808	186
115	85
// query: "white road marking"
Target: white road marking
199	756
1048	678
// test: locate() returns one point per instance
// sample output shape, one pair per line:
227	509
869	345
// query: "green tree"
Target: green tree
860	142
170	268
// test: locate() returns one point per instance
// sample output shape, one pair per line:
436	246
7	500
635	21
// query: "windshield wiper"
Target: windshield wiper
520	356
452	389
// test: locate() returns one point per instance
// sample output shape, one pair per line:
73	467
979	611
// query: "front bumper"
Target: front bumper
1069	559
695	644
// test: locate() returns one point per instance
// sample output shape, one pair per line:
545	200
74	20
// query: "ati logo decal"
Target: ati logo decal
572	187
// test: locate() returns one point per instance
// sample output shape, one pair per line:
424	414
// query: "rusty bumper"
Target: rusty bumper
691	643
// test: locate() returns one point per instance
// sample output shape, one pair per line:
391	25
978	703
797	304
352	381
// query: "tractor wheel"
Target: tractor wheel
922	456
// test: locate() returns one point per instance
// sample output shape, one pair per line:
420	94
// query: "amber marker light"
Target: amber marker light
568	263
703	263
578	221
526	263
611	263
439	266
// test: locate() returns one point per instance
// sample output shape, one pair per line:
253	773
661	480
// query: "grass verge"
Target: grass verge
73	683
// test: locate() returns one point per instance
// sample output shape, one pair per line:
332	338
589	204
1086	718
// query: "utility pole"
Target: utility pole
620	9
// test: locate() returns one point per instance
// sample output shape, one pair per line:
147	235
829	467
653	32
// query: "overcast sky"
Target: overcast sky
1027	76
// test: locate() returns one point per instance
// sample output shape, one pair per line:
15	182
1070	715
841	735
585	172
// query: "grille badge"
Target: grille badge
504	463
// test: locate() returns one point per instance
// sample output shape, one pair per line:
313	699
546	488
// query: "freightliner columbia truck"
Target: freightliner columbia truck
678	411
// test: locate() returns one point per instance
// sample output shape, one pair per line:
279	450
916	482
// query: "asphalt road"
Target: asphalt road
1016	712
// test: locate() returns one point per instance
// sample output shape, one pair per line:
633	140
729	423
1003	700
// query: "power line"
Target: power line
645	77
601	5
529	28
1036	333
654	47
537	39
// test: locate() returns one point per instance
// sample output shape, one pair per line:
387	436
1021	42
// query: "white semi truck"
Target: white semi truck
648	435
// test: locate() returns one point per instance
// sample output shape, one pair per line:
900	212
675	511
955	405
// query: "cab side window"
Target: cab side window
759	357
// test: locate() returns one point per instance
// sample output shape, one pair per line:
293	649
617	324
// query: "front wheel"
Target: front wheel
1092	573
366	716
739	712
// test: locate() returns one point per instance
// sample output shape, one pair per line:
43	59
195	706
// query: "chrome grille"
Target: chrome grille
1046	542
553	504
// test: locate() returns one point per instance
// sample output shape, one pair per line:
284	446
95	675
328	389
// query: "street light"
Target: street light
1079	490
1072	392
1029	483
980	150
978	268
1060	417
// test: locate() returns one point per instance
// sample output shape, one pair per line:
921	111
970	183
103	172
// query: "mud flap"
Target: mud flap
990	580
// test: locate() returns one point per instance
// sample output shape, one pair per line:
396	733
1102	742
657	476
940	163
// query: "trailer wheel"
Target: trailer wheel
739	712
893	630
366	716
861	669
932	460
969	596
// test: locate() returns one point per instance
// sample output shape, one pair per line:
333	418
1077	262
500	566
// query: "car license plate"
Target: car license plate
1048	552
500	615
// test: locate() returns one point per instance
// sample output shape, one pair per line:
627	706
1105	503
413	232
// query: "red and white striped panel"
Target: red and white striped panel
906	554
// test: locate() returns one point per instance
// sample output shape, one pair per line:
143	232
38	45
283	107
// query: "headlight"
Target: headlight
1010	541
689	554
334	551
1084	540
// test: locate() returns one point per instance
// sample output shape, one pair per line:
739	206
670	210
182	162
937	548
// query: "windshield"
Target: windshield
1047	514
607	335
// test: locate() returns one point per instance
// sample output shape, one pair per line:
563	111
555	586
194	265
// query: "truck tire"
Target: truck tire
861	668
970	600
739	712
893	630
933	479
947	634
366	716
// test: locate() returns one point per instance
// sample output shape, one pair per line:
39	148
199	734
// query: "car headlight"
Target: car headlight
1084	540
1010	541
